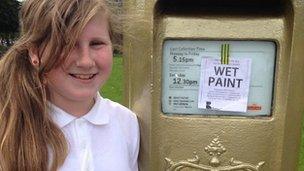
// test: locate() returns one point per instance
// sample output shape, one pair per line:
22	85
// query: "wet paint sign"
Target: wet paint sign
224	87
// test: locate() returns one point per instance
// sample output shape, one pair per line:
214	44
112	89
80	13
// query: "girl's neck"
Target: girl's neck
75	108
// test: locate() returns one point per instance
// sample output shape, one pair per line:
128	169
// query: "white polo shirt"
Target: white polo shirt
105	139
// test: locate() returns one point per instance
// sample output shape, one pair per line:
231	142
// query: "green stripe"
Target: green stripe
222	54
225	48
225	53
228	55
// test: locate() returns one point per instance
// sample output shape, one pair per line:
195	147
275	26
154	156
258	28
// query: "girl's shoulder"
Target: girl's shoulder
119	111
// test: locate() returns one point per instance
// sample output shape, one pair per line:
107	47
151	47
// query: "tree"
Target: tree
9	22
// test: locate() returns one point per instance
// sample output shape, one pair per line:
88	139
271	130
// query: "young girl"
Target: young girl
52	116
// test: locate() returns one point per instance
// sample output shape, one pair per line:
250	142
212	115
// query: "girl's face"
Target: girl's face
85	70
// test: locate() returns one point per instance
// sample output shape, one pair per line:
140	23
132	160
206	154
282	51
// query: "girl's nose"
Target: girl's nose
85	59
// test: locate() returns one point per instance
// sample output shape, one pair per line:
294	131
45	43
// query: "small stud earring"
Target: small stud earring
35	62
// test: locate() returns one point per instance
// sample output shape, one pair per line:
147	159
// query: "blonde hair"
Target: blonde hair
29	139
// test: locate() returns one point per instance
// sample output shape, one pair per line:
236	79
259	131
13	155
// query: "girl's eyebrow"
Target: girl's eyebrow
99	37
103	39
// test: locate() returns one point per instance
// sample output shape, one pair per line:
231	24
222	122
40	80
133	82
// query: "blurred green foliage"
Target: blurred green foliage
113	88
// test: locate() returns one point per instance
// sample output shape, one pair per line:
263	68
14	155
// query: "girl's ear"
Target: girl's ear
33	53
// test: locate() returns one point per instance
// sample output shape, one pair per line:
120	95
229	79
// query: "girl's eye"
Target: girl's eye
96	43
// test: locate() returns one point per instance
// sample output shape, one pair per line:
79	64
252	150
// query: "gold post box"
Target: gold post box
217	85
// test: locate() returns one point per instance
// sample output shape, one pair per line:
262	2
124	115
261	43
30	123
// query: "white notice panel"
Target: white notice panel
182	70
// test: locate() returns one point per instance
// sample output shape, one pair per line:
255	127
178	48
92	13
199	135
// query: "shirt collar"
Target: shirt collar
98	114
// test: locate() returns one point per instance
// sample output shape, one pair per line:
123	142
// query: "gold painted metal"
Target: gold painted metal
215	149
274	139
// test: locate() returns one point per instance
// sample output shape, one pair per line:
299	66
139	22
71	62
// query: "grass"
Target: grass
113	87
